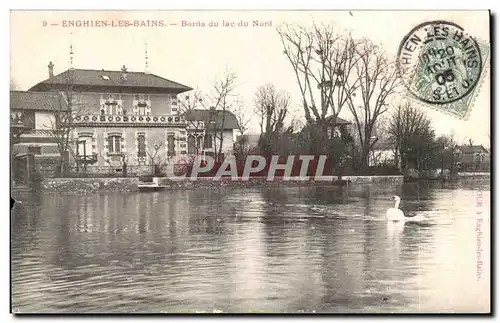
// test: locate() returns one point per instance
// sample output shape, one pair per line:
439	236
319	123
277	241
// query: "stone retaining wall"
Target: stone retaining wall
82	185
396	179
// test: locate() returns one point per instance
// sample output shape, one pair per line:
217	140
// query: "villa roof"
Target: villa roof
30	100
87	77
230	121
383	145
338	121
472	149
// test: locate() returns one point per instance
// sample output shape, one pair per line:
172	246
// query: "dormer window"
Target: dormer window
111	105
105	77
142	104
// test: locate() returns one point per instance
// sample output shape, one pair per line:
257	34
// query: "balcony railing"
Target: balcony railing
43	133
158	120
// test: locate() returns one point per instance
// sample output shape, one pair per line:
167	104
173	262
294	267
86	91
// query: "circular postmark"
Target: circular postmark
438	62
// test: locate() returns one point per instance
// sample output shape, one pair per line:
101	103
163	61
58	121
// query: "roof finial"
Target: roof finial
146	69
71	66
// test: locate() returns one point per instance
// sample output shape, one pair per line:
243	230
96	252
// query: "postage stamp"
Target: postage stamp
441	66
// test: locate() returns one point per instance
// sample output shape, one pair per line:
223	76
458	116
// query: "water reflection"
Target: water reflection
279	249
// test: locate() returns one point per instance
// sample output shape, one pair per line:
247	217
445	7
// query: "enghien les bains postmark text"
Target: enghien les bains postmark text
439	63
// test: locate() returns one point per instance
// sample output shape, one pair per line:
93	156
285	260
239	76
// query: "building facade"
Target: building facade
127	118
474	158
32	142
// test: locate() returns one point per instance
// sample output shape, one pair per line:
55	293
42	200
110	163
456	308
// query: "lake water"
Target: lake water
288	249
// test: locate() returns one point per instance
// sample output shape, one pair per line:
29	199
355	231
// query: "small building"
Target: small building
285	143
334	128
382	153
245	143
474	158
205	129
33	139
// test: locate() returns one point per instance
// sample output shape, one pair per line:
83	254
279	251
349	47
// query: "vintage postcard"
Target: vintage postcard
250	161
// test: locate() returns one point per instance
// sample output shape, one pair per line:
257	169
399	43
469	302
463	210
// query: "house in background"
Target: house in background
334	129
382	153
205	128
474	158
292	143
245	143
123	117
32	123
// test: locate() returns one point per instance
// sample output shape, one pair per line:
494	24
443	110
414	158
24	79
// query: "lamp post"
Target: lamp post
156	147
84	155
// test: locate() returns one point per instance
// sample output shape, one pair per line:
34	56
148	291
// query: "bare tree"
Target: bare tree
218	102
70	108
222	99
271	106
154	156
410	131
187	106
323	61
294	125
13	85
377	79
243	118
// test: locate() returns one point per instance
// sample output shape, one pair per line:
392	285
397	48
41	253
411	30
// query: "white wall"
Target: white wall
227	142
380	156
44	120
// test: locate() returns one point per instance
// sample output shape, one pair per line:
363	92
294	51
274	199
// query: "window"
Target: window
171	145
105	77
191	142
141	109
114	144
208	141
199	142
141	145
142	104
112	108
84	147
35	150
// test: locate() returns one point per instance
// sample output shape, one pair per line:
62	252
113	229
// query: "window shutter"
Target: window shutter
136	143
106	149
94	143
122	141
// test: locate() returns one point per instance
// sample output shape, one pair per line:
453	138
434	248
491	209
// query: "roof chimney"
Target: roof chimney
124	73
51	69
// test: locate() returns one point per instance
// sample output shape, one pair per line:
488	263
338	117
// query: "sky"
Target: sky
186	49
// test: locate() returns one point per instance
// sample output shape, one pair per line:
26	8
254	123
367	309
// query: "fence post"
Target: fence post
124	169
65	164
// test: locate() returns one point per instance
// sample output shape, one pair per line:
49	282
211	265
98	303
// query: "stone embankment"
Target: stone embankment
83	185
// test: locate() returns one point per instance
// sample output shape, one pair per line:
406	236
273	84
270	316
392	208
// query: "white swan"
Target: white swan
394	213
